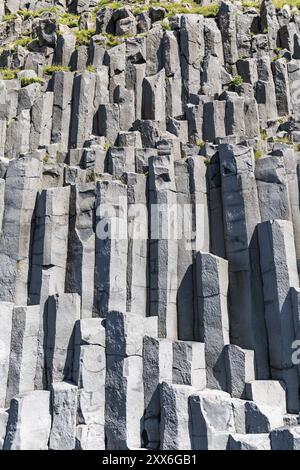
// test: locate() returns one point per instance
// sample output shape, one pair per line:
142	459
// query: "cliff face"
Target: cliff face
150	225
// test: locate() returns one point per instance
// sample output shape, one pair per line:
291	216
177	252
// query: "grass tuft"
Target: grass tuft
25	81
50	69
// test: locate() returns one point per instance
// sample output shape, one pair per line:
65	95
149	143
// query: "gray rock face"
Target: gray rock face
29	422
149	225
212	419
64	405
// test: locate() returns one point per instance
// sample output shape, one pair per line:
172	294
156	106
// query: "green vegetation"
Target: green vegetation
283	140
200	143
122	179
280	3
91	68
110	40
8	74
37	13
207	162
83	36
258	154
165	24
9	17
236	81
186	7
107	146
23	41
25	81
263	134
107	4
46	158
68	19
172	9
55	68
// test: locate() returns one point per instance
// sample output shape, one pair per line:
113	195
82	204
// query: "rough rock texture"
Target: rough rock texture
149	225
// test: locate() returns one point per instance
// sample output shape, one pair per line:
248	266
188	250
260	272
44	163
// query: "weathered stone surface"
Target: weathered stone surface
212	419
163	249
149	225
240	369
260	391
157	368
175	419
212	324
6	311
62	311
64	408
111	247
3	425
89	370
279	271
23	350
285	438
29	422
124	390
249	442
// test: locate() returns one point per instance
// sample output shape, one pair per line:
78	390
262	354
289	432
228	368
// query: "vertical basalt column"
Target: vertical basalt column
157	368
124	395
23	181
137	264
163	249
111	247
81	245
62	101
63	310
192	53
89	372
279	272
48	258
6	312
212	323
241	215
23	351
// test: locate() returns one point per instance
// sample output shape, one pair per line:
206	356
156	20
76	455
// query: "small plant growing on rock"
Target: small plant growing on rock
91	68
23	42
8	74
70	20
9	17
283	140
263	134
200	143
25	81
83	36
236	81
258	154
49	70
166	26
